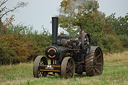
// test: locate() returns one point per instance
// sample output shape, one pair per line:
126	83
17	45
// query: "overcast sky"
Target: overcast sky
39	12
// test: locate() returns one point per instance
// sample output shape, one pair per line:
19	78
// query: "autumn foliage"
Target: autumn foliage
21	44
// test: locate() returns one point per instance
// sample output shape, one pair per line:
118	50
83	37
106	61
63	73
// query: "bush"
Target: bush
124	40
110	43
21	43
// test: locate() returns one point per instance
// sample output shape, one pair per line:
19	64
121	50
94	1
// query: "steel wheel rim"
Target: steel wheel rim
68	67
36	67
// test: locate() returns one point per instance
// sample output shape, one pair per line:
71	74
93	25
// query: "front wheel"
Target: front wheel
40	60
68	67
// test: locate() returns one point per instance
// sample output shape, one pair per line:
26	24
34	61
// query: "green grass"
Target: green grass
115	73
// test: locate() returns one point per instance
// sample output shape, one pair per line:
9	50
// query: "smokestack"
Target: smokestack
54	30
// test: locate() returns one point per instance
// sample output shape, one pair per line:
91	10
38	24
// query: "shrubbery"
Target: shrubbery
21	43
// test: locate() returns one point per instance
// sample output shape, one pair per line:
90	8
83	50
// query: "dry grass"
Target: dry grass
116	58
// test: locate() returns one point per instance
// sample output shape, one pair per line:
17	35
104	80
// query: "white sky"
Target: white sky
39	12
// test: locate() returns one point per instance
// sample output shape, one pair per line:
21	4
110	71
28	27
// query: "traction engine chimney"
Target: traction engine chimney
54	30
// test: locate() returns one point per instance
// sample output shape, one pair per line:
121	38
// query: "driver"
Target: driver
81	35
85	39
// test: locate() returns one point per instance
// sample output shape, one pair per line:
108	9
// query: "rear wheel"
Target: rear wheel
94	62
40	60
68	67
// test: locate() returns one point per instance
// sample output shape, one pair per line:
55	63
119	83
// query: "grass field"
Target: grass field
115	73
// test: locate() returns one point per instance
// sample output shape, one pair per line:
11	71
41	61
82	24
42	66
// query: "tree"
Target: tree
4	11
75	14
119	25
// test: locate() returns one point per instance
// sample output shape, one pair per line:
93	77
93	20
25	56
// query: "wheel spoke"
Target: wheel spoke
99	64
71	67
39	73
67	70
96	51
97	70
68	65
98	56
70	74
70	61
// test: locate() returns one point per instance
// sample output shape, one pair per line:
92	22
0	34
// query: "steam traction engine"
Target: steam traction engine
67	56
